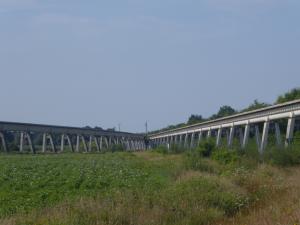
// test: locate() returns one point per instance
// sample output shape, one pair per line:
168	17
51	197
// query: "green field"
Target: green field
137	188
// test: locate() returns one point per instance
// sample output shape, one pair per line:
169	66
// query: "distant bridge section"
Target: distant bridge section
238	126
84	138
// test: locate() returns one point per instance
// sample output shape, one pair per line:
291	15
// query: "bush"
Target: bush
211	193
117	148
162	149
225	156
283	157
206	148
176	149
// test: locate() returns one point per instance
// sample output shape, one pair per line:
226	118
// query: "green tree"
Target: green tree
293	94
195	119
224	111
256	105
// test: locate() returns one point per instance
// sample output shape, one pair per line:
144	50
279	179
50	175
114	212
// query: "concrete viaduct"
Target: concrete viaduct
84	138
237	126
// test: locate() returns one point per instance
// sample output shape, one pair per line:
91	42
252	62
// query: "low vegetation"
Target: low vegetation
165	186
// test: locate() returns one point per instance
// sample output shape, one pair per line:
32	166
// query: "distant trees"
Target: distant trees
225	110
111	129
293	94
256	105
195	119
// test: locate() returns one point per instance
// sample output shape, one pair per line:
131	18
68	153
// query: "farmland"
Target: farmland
146	188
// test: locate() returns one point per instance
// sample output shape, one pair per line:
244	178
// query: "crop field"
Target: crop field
147	188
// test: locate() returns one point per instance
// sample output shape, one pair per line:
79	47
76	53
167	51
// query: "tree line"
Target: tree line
227	110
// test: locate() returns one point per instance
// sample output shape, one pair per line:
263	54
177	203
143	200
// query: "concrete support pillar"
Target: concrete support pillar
192	140
186	140
131	145
127	144
136	145
90	143
84	144
278	135
246	136
70	143
265	136
97	144
77	143
23	136
106	142
44	143
101	143
219	137
175	140
21	141
3	141
208	134
52	143
180	139
62	143
227	134
231	136
257	136
290	130
200	137
30	143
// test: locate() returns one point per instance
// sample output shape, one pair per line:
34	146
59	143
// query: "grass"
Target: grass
145	188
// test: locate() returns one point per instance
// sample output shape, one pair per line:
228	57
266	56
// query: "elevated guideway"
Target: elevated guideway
237	125
85	137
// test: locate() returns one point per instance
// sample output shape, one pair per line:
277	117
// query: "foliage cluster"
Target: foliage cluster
227	110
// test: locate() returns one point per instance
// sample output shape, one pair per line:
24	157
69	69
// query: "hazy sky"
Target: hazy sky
71	62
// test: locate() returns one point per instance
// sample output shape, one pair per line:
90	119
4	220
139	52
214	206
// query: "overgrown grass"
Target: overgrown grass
198	187
28	182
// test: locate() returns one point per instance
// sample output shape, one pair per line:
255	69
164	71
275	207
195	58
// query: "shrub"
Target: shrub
205	192
162	149
117	148
225	156
206	148
194	162
283	157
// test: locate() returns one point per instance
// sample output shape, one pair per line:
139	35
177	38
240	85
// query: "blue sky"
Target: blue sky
101	63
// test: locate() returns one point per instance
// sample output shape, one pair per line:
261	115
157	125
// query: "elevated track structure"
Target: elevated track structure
56	137
237	126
